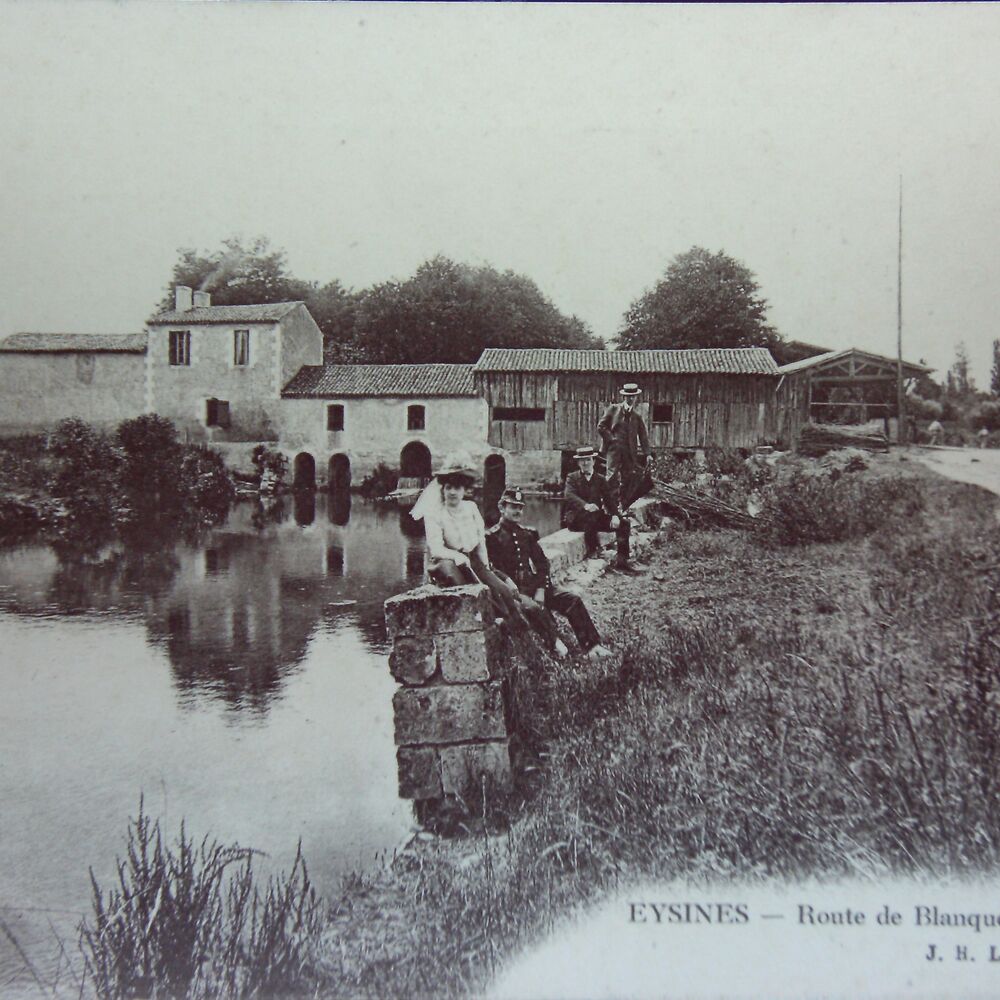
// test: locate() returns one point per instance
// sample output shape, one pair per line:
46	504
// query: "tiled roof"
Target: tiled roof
724	361
909	367
127	343
269	312
381	380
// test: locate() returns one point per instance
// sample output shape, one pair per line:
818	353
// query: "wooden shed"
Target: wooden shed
846	386
552	400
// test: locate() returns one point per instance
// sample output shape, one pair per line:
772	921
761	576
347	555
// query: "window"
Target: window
241	347
216	413
522	413
415	418
663	413
335	417
180	347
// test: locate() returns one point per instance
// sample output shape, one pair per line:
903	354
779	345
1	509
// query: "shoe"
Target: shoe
560	649
627	568
598	652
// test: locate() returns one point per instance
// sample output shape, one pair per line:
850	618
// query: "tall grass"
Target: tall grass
190	921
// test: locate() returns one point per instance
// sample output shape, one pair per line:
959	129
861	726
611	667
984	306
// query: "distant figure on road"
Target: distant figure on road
982	436
625	447
936	432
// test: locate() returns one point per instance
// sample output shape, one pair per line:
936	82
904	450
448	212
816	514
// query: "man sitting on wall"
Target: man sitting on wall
625	446
515	551
591	505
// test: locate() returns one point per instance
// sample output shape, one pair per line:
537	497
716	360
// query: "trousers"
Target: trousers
591	522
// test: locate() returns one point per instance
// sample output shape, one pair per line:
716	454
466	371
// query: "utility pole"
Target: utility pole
900	414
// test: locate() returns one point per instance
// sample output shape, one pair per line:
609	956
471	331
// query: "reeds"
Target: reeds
190	921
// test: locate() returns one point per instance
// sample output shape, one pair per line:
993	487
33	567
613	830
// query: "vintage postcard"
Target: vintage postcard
499	500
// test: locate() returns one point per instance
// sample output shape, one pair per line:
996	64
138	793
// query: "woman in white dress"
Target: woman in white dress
456	537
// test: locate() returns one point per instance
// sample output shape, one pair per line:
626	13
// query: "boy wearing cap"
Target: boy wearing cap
590	505
625	445
514	550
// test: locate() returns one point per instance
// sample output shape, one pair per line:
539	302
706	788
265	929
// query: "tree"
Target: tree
703	300
959	381
995	370
451	312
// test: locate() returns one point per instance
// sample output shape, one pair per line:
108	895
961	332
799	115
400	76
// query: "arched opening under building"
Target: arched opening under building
494	482
305	472
415	461
339	477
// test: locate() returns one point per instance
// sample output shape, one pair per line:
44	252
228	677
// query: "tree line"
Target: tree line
449	311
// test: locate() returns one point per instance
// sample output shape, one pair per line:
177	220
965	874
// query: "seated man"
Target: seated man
591	505
514	550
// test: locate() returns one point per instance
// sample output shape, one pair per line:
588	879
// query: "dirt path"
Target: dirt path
979	467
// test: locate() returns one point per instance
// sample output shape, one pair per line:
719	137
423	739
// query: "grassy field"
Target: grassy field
778	711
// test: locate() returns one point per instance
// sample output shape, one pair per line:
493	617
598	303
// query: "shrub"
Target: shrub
269	459
192	922
205	481
724	461
151	456
802	508
381	482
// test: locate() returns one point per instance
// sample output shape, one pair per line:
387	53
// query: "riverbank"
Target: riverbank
816	710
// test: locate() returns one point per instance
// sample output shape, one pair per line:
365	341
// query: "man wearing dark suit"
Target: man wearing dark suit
625	446
514	550
590	505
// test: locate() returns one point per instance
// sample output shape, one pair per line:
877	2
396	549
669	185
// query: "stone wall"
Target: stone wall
451	723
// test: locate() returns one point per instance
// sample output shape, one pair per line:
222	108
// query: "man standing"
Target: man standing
515	551
625	446
590	505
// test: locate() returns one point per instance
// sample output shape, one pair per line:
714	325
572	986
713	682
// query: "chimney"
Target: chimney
182	298
202	300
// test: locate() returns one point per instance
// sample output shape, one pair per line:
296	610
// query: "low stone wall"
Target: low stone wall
451	723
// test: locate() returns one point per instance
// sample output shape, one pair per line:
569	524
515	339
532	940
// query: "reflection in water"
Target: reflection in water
338	507
305	507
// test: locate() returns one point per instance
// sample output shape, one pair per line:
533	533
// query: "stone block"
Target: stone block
448	714
463	767
428	610
413	659
468	657
419	773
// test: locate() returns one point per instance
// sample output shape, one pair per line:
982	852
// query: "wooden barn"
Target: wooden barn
545	402
847	386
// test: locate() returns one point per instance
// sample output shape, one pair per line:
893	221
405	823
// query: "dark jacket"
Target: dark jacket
514	550
578	492
624	432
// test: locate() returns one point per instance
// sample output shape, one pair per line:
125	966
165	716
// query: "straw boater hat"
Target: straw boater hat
585	452
513	496
630	389
458	465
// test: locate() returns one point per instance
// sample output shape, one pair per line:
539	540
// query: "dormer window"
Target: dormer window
241	348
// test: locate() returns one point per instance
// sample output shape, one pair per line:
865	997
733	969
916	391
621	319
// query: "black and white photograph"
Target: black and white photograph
499	500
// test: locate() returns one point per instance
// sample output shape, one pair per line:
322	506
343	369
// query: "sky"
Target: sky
582	145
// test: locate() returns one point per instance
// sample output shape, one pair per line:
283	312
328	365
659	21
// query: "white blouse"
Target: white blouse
452	531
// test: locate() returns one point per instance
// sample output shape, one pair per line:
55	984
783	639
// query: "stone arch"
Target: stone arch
304	472
415	461
339	477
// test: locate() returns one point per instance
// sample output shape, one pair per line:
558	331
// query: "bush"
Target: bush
269	459
152	456
205	481
191	922
381	482
802	507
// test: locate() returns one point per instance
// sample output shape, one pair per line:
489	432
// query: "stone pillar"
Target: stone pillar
450	719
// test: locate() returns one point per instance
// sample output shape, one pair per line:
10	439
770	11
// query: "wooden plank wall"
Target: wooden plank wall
729	411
